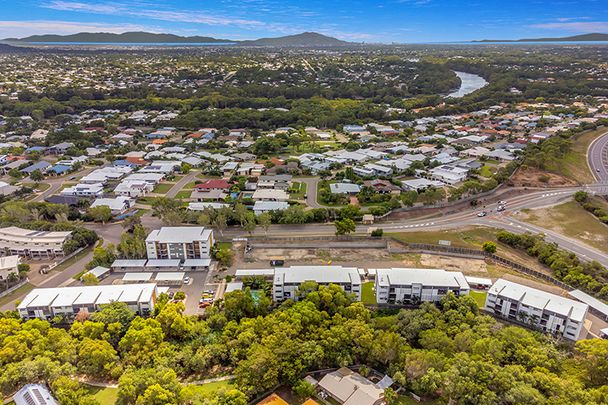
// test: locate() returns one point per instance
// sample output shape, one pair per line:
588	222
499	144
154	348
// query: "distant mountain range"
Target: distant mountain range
575	38
304	39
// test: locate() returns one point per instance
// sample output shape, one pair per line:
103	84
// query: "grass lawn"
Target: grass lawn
480	297
301	187
183	194
163	188
105	396
190	185
368	295
486	171
572	220
211	387
472	238
39	186
224	245
24	289
575	162
64	265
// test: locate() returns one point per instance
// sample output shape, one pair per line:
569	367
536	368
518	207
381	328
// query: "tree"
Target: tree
265	220
90	279
186	168
36	175
345	226
114	312
141	340
224	256
489	247
148	386
102	256
169	210
390	396
96	357
250	226
100	213
304	389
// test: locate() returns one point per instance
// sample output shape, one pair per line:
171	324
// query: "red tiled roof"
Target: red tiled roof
214	184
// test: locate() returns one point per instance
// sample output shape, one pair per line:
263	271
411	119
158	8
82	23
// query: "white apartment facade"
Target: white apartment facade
31	243
413	286
46	303
181	242
541	310
287	280
9	265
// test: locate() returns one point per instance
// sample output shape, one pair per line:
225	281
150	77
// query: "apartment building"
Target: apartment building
32	243
287	280
9	265
46	303
412	286
541	310
181	242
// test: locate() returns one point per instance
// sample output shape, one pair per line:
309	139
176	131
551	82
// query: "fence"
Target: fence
14	287
480	254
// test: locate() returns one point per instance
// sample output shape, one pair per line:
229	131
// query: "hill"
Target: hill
574	38
126	37
304	39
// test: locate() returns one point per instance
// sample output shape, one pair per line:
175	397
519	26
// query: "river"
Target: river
469	83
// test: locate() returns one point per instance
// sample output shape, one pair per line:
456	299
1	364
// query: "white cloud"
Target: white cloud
578	26
37	27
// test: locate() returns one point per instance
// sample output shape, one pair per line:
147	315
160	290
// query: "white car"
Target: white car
186	280
482	214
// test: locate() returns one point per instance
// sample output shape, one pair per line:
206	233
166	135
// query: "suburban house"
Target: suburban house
118	205
349	388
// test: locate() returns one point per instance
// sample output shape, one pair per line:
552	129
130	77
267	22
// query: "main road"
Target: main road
597	158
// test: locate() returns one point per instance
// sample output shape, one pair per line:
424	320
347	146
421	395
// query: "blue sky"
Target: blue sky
404	21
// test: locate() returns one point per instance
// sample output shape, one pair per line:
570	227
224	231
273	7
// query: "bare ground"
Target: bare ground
531	177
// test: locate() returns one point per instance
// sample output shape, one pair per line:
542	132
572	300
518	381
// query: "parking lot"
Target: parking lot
197	283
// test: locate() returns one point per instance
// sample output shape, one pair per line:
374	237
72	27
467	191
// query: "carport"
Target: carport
170	278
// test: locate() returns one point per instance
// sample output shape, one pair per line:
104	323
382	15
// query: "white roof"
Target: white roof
179	234
234	286
254	272
9	262
98	271
320	274
270	205
145	276
197	262
478	280
129	263
163	263
540	299
117	203
426	277
86	295
27	235
589	300
170	276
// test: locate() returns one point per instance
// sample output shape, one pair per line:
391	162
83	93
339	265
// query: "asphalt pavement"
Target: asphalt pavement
597	157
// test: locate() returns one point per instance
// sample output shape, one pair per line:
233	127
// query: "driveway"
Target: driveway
311	190
190	177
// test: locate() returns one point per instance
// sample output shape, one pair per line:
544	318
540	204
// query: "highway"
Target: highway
597	158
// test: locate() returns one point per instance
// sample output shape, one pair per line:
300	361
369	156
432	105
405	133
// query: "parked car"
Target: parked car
482	214
171	294
277	262
186	280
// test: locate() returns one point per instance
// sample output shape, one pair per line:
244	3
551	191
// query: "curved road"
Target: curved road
597	158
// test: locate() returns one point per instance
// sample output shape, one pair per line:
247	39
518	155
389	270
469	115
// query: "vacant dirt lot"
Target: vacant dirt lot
531	177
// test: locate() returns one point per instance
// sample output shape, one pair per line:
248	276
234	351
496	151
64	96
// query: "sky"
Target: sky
401	21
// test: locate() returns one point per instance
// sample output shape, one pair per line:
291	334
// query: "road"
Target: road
190	177
311	190
597	158
56	182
